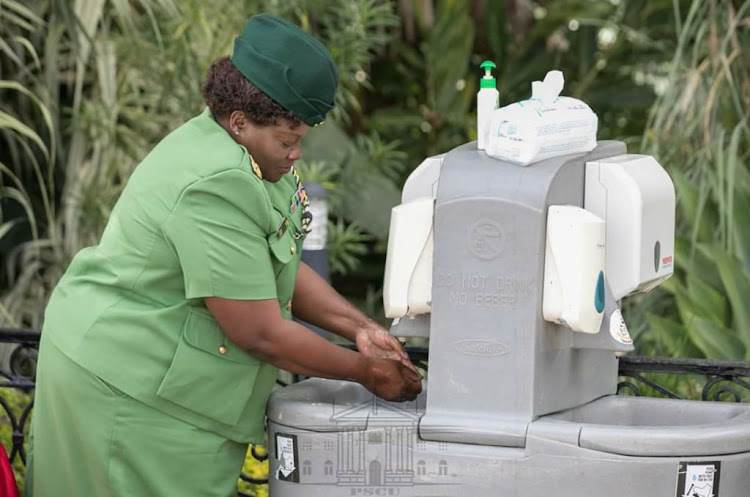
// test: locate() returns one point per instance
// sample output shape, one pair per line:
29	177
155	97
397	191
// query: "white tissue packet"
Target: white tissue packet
544	126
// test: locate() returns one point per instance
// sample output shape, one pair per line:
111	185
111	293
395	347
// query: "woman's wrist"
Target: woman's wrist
362	370
364	326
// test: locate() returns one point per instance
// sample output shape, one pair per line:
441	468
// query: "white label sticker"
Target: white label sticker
286	454
698	479
618	329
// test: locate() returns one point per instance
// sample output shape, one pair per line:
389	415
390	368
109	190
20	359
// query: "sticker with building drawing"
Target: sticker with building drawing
698	479
286	454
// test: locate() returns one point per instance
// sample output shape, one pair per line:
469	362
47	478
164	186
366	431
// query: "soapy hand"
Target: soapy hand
390	380
374	341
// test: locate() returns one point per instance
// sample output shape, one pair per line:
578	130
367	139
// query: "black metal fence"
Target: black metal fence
18	374
673	378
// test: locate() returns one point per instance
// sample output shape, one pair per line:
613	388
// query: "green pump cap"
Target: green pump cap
487	80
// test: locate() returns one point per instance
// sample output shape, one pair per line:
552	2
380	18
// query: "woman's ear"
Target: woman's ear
237	122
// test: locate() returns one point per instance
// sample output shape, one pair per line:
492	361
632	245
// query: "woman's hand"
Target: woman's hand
390	380
374	341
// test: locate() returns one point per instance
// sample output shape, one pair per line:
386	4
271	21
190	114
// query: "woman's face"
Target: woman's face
274	148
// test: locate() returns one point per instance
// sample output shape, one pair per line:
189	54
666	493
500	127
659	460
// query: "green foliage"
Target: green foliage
429	83
699	130
362	171
346	245
613	55
87	88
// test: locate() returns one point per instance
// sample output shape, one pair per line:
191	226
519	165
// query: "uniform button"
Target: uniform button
222	350
293	249
289	306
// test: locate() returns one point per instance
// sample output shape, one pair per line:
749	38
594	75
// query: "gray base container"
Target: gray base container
346	442
516	406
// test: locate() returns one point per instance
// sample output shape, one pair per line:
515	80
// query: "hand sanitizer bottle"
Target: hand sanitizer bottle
487	102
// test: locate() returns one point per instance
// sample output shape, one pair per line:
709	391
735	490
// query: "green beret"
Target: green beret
288	65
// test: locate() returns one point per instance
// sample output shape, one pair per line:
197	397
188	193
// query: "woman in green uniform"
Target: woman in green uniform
161	344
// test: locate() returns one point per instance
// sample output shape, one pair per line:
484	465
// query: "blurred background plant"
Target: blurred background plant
698	128
87	87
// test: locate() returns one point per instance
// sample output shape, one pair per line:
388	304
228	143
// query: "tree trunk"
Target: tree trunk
406	11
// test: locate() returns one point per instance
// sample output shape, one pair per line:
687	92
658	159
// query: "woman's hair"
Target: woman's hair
226	90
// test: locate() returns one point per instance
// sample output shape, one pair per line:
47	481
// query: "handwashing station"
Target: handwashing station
515	275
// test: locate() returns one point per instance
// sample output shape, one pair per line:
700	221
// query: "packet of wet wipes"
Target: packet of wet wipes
544	126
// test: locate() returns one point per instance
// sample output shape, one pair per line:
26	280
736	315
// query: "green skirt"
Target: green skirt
91	440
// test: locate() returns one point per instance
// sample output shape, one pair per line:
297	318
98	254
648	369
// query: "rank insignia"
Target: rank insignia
282	227
256	168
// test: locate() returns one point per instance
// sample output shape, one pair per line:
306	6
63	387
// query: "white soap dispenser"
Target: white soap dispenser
574	286
487	103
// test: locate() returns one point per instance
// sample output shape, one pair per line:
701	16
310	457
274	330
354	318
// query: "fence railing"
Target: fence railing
18	375
714	380
722	380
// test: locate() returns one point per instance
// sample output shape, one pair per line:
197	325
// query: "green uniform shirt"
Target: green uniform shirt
194	221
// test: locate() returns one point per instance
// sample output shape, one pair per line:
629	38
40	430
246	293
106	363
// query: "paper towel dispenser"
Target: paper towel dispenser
635	197
407	288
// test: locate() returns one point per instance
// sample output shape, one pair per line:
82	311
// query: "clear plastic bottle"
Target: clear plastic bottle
487	103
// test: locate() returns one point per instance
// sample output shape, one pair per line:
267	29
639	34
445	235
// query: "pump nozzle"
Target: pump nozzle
487	80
